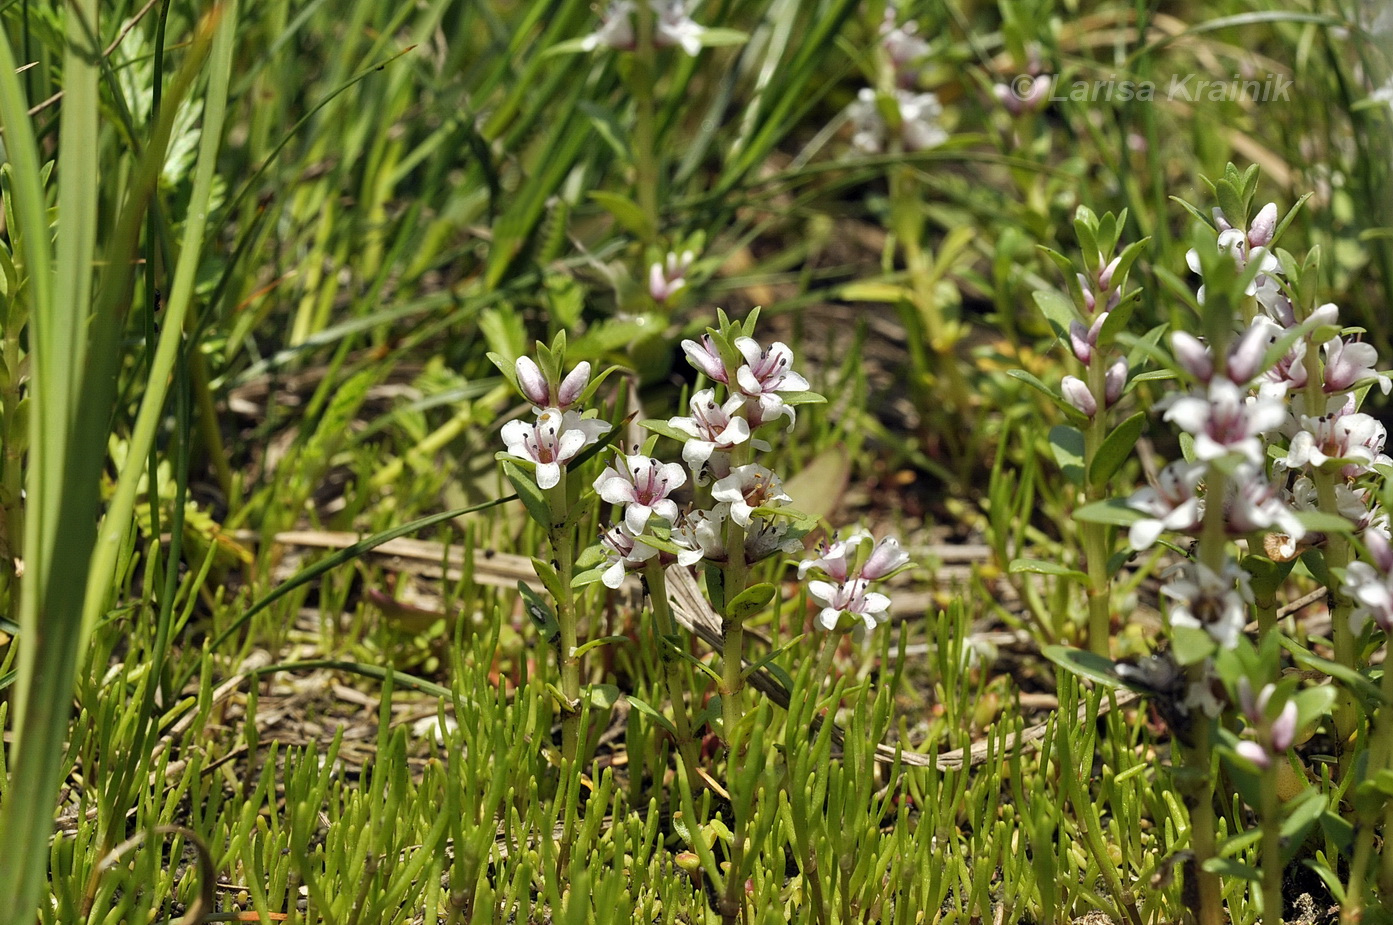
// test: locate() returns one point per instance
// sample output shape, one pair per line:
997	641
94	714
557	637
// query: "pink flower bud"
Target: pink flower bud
1105	277
1193	355
1077	394
1284	728
1114	380
704	356
1329	313
1254	753
886	557
1263	227
532	383
1080	341
573	385
1248	352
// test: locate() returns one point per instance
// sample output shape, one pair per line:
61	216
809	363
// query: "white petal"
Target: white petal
548	475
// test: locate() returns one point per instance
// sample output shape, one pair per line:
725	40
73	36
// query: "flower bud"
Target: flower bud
573	385
885	558
1114	380
1076	393
1193	355
1263	227
532	383
1284	728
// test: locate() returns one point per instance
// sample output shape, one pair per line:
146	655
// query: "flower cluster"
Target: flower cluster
559	432
1271	418
1099	293
844	590
672	26
738	500
901	119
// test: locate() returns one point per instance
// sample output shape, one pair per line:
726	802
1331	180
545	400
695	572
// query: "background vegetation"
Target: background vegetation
254	258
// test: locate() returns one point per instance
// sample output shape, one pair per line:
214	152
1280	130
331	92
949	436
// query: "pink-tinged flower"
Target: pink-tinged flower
1348	363
1244	247
642	485
1173	504
706	358
1371	585
886	558
624	553
906	49
919	121
763	375
668	278
1225	421
849	604
1288	374
1216	602
532	383
1084	340
712	428
1077	393
541	394
836	556
1114	381
1254	504
1246	354
749	487
1263	226
554	440
1341	433
672	27
1193	355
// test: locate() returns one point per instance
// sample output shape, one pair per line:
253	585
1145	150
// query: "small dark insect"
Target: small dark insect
1161	679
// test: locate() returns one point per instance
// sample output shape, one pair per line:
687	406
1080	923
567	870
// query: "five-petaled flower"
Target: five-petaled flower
763	375
849	601
642	485
552	441
747	488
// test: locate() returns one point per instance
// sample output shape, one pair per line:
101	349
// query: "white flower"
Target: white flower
624	553
919	121
672	27
1245	246
666	279
749	487
1226	421
1216	602
1341	433
642	485
852	599
1173	504
763	375
1348	363
701	535
712	427
554	440
837	556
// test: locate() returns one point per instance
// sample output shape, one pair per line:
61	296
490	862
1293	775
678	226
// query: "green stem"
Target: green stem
1380	758
732	683
1095	535
666	639
1203	825
1271	823
568	664
645	124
